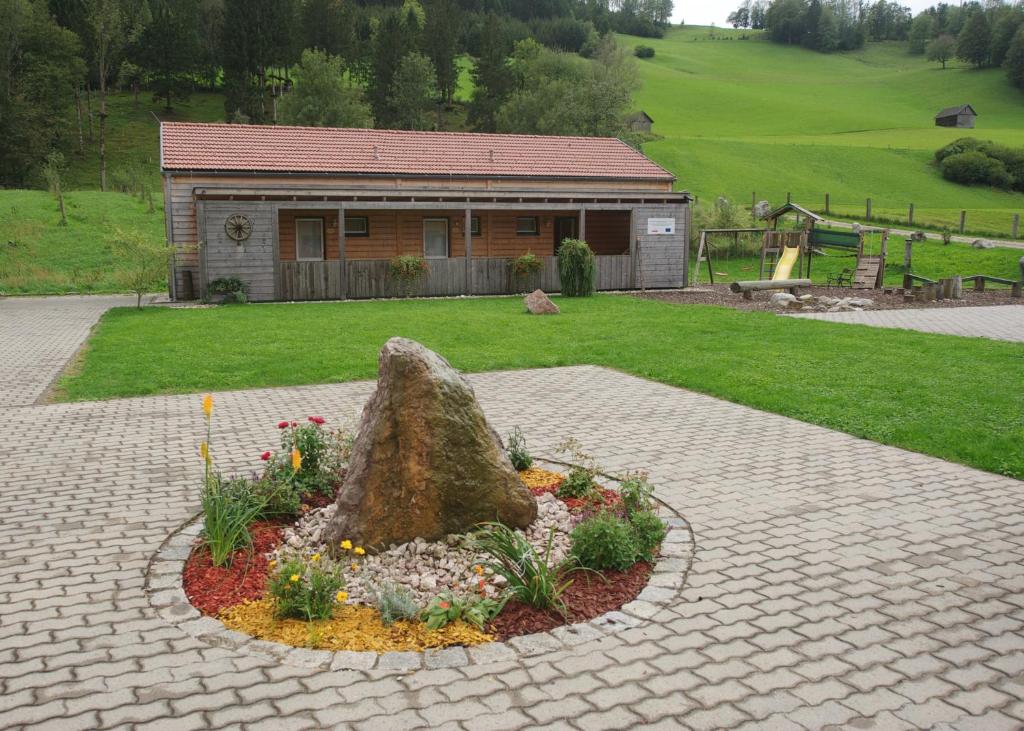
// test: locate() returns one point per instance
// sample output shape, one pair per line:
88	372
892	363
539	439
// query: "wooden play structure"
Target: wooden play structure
922	289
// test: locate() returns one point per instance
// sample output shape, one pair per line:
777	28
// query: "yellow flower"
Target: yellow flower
315	557
358	550
355	567
341	596
204	450
208	405
293	578
346	545
272	564
296	459
479	570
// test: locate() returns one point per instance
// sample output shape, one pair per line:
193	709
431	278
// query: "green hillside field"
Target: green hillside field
742	116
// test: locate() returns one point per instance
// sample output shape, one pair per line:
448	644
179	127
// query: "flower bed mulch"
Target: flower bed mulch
586	598
540	481
212	588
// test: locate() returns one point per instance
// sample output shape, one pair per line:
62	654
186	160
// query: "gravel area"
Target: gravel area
719	294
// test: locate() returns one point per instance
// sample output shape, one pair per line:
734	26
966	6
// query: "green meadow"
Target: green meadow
737	117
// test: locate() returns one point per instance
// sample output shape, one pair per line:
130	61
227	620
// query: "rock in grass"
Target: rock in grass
425	462
781	299
538	303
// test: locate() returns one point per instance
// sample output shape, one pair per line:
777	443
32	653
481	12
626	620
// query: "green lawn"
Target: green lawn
38	256
743	116
955	398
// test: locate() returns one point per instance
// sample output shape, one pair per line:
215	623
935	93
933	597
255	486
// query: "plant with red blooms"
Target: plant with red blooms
265	456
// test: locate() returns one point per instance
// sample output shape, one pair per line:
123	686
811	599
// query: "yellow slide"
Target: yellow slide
785	266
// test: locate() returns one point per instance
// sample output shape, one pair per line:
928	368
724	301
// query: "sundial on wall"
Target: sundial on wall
238	227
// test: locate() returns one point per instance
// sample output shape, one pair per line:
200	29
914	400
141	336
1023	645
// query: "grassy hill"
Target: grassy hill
739	116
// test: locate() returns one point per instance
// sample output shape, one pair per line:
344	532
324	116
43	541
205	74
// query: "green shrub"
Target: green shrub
234	289
306	591
636	493
527	264
516	450
229	506
604	541
407	270
446	608
576	268
643	52
976	168
579	483
648	533
531	578
394	602
323	453
280	498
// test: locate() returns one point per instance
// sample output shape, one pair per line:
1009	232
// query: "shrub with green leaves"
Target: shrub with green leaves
579	483
447	607
604	541
233	289
530	578
407	270
280	498
305	591
527	264
576	268
517	452
323	453
229	506
648	533
636	493
394	602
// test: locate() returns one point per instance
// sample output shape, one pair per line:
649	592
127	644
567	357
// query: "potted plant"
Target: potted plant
524	270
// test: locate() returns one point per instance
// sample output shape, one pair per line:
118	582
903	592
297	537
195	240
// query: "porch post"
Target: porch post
583	223
632	248
276	242
468	233
342	274
200	286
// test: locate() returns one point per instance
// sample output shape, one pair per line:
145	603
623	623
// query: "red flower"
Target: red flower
265	456
318	420
444	605
295	424
282	425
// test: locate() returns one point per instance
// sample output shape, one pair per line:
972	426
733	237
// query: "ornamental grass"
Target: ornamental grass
352	627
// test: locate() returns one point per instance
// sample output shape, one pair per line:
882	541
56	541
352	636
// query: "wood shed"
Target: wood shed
962	116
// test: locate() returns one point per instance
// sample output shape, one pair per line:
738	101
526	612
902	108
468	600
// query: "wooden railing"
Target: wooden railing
369	279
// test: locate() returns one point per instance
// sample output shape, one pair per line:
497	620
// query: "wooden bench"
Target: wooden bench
757	285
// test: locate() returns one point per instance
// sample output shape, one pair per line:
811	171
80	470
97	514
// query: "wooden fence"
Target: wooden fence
369	279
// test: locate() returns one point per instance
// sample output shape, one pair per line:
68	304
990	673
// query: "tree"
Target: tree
396	32
1003	31
168	49
413	92
113	25
142	262
921	32
740	17
53	170
440	40
1014	61
40	68
257	36
210	28
941	49
321	97
492	77
972	44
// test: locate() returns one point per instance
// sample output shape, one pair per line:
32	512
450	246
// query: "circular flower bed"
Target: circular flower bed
262	567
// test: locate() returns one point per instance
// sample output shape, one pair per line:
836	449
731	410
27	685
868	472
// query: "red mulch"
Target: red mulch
315	500
212	588
586	598
608	499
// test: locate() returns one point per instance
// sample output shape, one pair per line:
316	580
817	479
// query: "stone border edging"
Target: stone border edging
166	595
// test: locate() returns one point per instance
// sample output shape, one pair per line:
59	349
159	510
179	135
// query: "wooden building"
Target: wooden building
962	116
316	213
640	122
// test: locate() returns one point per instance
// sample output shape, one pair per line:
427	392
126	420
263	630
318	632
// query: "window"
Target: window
527	226
309	239
357	226
435	238
474	226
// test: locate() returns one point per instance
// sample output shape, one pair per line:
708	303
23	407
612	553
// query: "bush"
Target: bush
643	52
648	533
407	270
604	541
394	602
527	264
576	268
229	506
516	450
233	289
446	608
636	493
976	168
306	591
280	498
321	453
530	577
579	483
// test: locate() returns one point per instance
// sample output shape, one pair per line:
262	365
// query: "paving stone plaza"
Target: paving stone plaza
834	583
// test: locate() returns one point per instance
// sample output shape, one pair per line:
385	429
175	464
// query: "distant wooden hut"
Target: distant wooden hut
640	122
961	116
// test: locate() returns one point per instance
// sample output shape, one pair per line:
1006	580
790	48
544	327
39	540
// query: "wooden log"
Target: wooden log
1015	290
867	209
1016	225
952	288
828	202
963	221
758	285
910	215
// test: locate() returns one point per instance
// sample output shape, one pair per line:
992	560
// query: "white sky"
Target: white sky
706	12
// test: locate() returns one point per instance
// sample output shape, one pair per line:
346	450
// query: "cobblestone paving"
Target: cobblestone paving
837	583
39	335
999	323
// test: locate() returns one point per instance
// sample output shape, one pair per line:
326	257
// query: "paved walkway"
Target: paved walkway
838	583
39	335
1001	322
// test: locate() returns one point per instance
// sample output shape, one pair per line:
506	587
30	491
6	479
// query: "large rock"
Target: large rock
538	303
425	462
781	299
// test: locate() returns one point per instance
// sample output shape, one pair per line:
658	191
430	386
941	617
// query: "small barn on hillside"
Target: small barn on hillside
300	213
639	122
961	116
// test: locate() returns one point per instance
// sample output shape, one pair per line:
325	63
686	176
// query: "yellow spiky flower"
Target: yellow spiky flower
296	459
208	405
204	450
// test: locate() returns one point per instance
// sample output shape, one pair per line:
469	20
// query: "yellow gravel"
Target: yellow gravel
536	477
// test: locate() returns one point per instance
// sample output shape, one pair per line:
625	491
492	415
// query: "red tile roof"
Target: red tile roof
278	149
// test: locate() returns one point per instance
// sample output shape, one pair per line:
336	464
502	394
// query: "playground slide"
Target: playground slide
785	266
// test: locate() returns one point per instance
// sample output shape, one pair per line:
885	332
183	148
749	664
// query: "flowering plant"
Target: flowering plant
446	607
306	590
311	456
